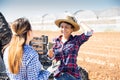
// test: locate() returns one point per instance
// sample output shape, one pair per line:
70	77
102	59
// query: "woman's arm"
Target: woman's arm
50	54
87	32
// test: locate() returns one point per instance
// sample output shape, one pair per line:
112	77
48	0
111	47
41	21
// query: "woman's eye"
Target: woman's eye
61	26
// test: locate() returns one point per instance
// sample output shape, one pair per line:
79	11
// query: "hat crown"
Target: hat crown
71	18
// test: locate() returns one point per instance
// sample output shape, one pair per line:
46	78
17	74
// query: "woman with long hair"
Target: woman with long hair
21	60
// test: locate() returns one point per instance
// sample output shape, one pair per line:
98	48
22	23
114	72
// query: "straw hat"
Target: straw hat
70	20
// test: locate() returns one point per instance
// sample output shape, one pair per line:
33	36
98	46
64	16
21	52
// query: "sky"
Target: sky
13	9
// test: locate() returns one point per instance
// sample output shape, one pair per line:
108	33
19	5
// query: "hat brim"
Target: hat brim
76	26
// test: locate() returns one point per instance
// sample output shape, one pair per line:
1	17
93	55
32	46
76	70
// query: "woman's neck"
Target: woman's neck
65	38
27	42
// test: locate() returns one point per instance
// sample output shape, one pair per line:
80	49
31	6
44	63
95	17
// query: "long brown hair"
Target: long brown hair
19	28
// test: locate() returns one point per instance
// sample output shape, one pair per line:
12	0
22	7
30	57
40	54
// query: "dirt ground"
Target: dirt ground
100	55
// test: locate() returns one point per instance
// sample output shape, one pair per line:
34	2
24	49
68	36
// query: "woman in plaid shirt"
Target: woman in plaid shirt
21	60
66	48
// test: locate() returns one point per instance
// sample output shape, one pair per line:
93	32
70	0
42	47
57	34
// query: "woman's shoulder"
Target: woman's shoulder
28	50
29	53
57	38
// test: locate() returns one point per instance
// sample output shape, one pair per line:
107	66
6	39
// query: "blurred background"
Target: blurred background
101	15
100	54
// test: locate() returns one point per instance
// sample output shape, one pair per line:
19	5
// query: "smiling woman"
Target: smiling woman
66	47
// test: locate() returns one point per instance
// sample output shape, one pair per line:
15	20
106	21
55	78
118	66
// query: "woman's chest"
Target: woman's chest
67	47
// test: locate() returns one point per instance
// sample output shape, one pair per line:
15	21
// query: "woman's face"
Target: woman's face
66	29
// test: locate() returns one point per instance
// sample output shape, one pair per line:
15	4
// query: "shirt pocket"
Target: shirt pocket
68	49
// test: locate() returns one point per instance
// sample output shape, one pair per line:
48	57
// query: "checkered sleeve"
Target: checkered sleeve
82	38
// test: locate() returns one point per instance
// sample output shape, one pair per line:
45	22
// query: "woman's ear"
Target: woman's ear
30	35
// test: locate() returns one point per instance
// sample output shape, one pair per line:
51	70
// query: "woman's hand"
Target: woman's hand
50	53
54	67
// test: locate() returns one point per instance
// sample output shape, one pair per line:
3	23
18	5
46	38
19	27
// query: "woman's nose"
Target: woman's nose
63	28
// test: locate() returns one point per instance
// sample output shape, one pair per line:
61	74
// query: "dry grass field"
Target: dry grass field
100	55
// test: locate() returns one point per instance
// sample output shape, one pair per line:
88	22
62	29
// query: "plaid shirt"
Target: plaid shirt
67	53
31	66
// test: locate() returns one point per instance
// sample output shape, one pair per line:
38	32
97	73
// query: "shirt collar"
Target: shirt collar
60	37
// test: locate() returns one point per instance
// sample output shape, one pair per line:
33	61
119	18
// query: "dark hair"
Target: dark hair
67	23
